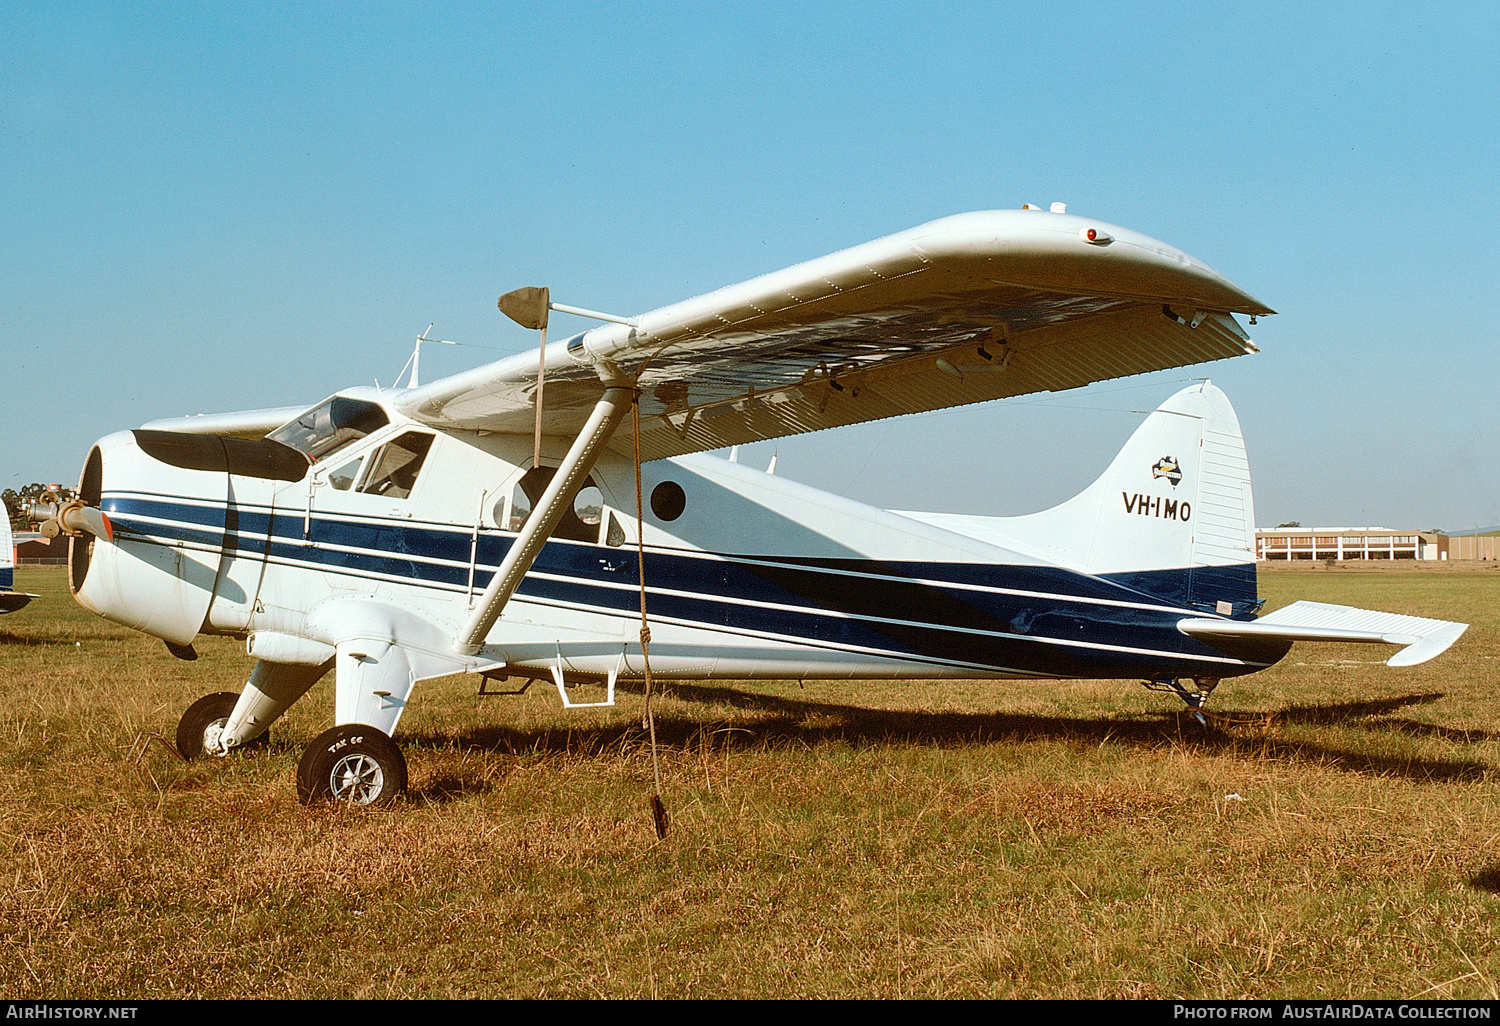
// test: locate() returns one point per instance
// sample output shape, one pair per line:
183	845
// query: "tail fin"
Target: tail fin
7	552
10	600
1172	516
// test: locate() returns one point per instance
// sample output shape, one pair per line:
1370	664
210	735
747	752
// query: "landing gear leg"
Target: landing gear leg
270	691
357	762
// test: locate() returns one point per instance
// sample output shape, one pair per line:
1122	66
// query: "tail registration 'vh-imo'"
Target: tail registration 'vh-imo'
488	522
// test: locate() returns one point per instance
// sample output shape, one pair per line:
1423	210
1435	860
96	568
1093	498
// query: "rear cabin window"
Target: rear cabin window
579	523
328	427
395	469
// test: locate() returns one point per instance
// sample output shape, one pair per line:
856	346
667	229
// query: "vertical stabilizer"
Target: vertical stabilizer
7	554
10	600
1172	515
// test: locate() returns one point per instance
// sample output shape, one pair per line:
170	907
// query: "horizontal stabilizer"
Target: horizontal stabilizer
10	601
1421	639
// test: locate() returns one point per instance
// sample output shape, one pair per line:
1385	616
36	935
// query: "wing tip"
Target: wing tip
1428	647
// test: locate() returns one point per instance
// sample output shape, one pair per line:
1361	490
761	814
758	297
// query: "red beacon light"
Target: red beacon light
1095	237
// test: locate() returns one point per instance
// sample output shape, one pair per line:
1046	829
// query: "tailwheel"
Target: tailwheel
1195	700
351	763
200	728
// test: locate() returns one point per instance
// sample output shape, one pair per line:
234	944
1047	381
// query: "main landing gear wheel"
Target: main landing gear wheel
351	763
199	729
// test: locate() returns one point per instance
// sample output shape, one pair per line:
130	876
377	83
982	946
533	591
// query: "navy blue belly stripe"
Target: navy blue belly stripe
796	598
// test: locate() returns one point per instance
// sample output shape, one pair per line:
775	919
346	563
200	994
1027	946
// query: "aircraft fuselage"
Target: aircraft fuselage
748	575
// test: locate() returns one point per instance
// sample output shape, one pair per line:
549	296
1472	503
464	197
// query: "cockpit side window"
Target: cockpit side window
396	466
344	476
328	427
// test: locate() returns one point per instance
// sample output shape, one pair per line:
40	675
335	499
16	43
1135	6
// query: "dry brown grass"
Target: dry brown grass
905	839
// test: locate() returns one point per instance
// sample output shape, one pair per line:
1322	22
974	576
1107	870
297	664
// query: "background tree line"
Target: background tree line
14	500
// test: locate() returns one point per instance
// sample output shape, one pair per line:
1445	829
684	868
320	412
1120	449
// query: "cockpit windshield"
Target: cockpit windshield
329	427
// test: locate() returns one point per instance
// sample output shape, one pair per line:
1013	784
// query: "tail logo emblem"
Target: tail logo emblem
1167	467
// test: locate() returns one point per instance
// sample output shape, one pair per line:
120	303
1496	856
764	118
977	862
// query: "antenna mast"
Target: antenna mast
415	360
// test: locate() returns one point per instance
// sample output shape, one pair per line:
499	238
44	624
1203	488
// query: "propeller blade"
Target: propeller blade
75	517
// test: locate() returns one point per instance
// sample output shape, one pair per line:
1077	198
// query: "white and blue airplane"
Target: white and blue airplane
486	523
10	599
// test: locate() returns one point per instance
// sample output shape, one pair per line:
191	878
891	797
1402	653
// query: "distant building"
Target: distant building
1482	546
1293	543
35	549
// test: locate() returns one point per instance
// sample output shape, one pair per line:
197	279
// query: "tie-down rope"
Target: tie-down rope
658	807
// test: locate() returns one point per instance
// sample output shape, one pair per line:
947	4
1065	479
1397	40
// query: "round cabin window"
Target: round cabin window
588	505
668	500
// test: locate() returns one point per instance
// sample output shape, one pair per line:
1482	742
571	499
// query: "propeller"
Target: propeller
72	518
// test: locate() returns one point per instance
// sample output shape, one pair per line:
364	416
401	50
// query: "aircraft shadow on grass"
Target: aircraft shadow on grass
795	722
7	638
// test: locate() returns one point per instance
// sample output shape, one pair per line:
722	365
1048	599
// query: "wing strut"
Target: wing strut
550	508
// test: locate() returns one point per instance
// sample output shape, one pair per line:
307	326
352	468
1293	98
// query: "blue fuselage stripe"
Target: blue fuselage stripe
1039	619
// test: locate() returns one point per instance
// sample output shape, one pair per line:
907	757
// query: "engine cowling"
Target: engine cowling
157	573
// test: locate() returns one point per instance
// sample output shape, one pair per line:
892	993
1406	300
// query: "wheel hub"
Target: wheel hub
213	737
357	779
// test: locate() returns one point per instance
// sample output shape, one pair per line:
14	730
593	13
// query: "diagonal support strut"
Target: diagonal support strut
607	415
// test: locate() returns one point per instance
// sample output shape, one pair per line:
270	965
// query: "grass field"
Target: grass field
916	839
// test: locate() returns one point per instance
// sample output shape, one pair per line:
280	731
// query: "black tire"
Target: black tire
351	763
205	717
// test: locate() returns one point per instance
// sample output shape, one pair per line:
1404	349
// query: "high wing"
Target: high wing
964	309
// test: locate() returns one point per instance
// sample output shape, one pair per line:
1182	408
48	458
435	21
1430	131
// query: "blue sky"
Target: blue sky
221	207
